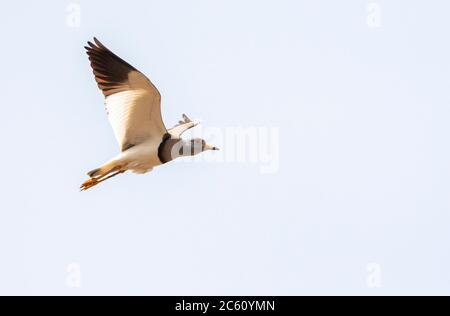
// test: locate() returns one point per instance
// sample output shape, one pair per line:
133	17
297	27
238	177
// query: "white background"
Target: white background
358	205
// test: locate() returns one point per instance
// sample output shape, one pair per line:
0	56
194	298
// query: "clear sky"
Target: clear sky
349	98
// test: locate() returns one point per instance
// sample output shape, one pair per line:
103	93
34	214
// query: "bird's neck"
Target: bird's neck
172	148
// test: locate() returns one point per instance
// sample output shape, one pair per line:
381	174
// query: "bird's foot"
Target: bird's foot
89	183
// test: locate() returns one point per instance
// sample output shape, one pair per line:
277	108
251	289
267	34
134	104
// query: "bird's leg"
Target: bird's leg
110	176
94	181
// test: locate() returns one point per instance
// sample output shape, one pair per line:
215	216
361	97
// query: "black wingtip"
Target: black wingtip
95	43
99	44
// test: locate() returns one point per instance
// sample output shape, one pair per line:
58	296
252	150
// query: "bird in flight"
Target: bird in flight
133	106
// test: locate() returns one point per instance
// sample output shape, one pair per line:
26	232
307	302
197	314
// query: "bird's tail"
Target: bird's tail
101	174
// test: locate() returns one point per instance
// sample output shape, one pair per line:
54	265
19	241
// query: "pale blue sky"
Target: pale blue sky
364	166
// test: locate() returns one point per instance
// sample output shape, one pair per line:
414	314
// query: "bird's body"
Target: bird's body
141	158
133	105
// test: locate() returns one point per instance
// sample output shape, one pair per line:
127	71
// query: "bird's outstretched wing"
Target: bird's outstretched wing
183	125
132	102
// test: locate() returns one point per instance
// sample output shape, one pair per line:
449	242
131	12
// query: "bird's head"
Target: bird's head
189	147
199	145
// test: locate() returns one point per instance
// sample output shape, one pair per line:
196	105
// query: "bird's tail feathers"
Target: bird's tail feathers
94	172
101	174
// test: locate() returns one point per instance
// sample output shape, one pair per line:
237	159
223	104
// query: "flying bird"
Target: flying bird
133	106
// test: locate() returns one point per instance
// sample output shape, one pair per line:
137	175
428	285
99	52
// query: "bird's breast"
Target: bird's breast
143	158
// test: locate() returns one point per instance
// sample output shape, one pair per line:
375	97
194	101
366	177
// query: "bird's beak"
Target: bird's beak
209	147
